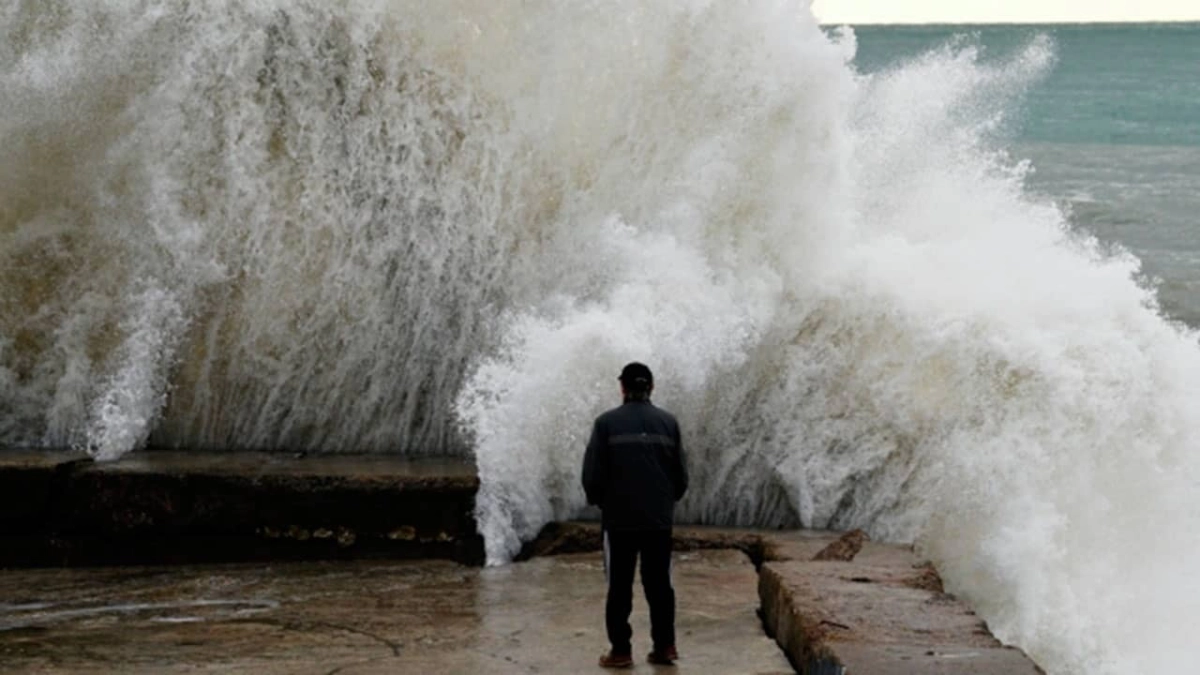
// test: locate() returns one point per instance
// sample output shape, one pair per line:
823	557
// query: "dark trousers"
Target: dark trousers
621	551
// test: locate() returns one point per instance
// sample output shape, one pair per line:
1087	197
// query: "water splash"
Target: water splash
390	226
232	225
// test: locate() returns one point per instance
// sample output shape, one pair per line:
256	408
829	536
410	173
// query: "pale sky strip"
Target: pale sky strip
1004	11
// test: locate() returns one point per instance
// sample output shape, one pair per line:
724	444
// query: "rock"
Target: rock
845	548
926	578
405	533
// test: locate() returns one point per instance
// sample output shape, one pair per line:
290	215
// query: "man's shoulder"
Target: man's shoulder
608	415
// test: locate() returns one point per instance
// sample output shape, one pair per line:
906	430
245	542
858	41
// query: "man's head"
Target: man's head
636	381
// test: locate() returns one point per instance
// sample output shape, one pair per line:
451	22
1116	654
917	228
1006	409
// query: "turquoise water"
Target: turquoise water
1112	131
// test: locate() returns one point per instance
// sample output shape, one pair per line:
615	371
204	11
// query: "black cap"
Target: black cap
637	377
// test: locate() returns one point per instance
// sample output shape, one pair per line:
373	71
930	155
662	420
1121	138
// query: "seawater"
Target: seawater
1110	129
933	285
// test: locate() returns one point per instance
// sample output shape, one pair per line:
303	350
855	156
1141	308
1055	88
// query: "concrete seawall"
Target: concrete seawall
57	508
835	604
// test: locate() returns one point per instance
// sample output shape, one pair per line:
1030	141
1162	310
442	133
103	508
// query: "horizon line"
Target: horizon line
1060	22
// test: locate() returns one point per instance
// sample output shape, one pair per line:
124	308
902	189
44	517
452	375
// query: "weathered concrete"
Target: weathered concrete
578	537
28	479
882	613
860	608
863	609
366	617
177	507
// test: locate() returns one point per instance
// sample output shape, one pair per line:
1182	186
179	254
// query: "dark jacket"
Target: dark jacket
634	468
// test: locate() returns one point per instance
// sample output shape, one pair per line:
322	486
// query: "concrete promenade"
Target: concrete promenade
366	617
243	563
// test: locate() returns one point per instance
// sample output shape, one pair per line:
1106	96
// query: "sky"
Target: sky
1003	11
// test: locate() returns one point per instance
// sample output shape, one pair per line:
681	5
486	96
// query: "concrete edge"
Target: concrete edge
61	509
800	638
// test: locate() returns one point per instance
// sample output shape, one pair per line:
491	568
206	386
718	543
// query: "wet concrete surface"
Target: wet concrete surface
840	604
362	617
867	609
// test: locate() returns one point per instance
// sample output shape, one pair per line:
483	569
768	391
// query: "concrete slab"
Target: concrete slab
181	507
28	480
878	611
363	618
389	468
881	613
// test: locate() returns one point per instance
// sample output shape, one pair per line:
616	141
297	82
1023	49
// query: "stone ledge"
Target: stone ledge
174	507
886	615
28	479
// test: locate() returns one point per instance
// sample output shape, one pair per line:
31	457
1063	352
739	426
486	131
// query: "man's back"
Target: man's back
635	471
634	467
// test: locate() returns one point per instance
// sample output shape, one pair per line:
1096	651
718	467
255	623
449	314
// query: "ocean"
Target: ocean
1112	131
934	282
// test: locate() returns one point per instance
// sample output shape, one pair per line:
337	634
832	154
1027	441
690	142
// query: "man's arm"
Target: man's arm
680	468
595	466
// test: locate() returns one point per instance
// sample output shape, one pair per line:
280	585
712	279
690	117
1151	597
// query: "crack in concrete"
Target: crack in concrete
344	666
394	646
302	626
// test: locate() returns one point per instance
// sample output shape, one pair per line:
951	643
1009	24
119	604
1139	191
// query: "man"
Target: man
634	471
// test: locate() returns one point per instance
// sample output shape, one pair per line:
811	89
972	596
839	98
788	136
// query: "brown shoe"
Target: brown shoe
611	660
663	657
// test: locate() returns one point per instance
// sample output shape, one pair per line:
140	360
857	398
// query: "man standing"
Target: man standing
634	471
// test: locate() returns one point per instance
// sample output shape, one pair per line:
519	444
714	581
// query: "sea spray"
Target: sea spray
936	356
442	228
242	225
